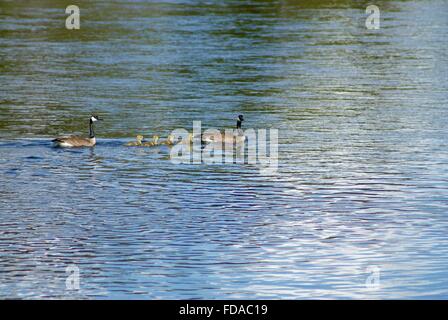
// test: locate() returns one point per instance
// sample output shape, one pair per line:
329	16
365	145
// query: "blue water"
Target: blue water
362	180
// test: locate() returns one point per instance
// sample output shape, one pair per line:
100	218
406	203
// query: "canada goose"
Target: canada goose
154	142
76	141
238	136
137	142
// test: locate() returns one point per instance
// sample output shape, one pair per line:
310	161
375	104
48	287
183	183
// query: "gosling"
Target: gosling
136	143
154	142
169	140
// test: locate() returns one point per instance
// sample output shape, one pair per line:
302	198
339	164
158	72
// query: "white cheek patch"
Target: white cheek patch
93	119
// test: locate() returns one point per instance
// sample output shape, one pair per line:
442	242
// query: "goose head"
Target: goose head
139	138
239	121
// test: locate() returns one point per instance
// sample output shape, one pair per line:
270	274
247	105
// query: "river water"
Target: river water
358	205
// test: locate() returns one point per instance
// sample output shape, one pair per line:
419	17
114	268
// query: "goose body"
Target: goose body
77	141
74	141
226	139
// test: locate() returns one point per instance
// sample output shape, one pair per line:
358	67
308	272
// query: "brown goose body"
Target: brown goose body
226	139
77	141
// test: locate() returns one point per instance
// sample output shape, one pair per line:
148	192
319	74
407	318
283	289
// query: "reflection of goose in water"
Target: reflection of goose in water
76	141
238	137
137	142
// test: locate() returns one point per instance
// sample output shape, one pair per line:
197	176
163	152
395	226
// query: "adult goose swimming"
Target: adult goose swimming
77	141
237	136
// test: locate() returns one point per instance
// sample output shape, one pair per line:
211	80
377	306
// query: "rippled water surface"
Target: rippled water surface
362	182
